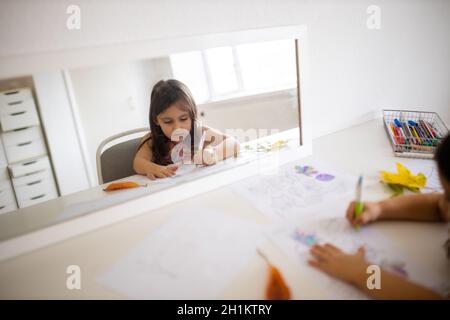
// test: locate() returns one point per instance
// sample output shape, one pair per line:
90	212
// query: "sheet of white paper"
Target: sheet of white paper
295	242
192	256
285	193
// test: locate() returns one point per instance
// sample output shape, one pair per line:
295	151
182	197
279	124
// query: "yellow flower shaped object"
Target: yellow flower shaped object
404	178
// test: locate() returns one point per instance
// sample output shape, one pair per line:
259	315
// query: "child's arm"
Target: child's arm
142	165
418	207
218	147
352	268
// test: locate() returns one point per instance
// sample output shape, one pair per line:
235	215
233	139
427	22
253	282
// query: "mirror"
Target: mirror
245	84
235	88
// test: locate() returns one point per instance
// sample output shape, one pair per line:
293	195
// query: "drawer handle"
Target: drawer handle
11	92
28	163
15	103
38	197
34	182
20	129
2	207
24	143
17	113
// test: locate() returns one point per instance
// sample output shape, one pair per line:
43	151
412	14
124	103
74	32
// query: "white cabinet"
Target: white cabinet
23	144
34	188
26	175
19	114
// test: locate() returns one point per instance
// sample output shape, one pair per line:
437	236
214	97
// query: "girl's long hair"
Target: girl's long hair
165	93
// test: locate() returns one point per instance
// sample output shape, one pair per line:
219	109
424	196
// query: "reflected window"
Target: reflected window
188	67
267	66
227	72
221	67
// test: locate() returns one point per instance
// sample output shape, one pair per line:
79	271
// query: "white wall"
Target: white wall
112	99
354	71
251	112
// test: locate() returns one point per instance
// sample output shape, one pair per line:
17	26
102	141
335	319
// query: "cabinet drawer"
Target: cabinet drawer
34	188
25	180
14	95
7	197
18	116
29	166
32	200
8	208
25	150
18	106
21	135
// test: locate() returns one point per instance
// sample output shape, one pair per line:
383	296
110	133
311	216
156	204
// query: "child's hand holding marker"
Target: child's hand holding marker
370	212
360	213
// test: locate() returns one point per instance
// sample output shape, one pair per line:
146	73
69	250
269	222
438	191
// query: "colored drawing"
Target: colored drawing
324	177
308	239
306	170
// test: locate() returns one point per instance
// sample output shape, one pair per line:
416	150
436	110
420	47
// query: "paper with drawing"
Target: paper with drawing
295	186
296	240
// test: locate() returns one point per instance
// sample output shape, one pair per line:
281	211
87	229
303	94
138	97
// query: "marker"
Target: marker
394	132
359	205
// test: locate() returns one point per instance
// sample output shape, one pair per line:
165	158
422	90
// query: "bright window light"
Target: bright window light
267	66
188	68
222	71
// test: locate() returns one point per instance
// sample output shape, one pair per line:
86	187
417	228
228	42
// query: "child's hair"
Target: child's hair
442	157
164	94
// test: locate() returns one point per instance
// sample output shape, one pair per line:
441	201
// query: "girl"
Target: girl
421	207
173	124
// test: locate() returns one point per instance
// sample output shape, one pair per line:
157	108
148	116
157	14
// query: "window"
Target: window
227	72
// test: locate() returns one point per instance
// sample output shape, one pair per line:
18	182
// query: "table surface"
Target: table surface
363	149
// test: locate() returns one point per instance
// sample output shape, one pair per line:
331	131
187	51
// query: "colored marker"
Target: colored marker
359	205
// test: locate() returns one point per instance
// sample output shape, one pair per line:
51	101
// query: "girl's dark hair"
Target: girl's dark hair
165	93
442	157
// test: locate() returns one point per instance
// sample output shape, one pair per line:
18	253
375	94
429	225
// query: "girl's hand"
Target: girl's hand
331	260
371	212
155	171
207	156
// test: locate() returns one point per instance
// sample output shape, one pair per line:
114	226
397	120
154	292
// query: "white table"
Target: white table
361	149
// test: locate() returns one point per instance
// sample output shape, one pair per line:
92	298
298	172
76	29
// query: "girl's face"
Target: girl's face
174	118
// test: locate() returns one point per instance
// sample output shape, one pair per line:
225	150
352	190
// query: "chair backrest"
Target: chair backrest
116	162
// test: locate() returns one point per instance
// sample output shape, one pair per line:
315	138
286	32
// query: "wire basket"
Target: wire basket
414	134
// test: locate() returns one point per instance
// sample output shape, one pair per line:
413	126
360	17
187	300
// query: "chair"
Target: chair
116	162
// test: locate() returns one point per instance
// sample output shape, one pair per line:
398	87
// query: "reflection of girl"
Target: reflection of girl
421	207
173	121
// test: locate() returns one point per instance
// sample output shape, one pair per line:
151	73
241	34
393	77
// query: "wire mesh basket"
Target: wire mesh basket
414	134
